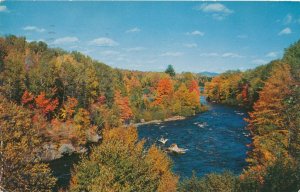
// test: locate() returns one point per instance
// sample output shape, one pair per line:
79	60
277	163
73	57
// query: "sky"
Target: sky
148	36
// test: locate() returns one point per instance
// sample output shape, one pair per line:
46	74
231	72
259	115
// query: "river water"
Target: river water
216	141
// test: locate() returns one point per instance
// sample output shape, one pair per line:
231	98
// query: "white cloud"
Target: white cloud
285	31
288	19
217	10
133	30
227	54
34	28
3	8
195	33
65	40
103	42
215	7
232	55
191	45
242	36
259	61
209	54
172	54
110	53
134	49
272	54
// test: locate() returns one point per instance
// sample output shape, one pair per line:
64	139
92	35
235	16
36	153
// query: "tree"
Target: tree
193	86
21	168
119	164
170	70
269	123
282	175
68	109
164	91
123	106
44	104
83	127
225	182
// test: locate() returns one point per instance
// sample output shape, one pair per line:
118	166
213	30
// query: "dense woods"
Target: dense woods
68	99
53	99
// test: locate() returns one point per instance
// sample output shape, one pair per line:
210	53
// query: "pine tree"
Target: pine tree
170	71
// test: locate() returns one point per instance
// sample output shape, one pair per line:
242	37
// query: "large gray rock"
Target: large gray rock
49	152
94	138
66	149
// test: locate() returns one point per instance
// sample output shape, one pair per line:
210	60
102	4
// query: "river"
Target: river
216	141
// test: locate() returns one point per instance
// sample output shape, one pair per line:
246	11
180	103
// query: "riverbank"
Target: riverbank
216	140
174	118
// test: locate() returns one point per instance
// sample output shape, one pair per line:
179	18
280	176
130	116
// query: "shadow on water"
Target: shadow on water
62	169
216	140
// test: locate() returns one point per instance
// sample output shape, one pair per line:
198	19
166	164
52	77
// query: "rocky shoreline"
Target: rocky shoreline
174	118
53	151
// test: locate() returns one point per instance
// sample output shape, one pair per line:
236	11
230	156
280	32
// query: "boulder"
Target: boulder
66	149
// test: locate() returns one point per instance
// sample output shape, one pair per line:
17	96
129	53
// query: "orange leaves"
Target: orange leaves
27	97
164	91
270	106
268	121
193	86
46	105
68	108
123	106
161	165
40	102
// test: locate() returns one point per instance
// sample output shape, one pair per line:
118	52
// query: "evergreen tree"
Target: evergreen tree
170	70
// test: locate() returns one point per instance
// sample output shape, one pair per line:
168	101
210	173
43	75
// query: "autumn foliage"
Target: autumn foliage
268	122
21	166
44	104
123	106
120	164
164	91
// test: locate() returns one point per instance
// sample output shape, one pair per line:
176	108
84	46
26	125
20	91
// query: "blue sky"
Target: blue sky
148	36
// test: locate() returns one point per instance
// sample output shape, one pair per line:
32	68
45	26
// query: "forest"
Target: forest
54	102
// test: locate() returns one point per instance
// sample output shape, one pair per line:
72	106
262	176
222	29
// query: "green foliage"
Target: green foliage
283	175
170	70
224	182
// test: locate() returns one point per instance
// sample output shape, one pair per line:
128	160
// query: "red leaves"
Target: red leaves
40	102
27	97
193	86
245	93
46	105
101	100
